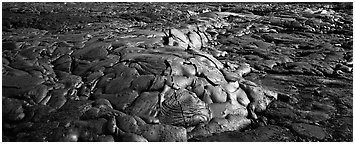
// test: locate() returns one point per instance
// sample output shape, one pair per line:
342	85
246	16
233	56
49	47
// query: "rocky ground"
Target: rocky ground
177	72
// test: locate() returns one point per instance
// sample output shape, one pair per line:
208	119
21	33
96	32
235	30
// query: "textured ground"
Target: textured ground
302	51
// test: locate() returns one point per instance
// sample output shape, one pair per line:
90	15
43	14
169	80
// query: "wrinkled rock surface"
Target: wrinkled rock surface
142	72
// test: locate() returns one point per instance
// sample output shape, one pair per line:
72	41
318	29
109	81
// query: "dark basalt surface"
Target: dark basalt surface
239	72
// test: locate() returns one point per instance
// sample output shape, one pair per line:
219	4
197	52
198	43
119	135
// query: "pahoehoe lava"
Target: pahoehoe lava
138	72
